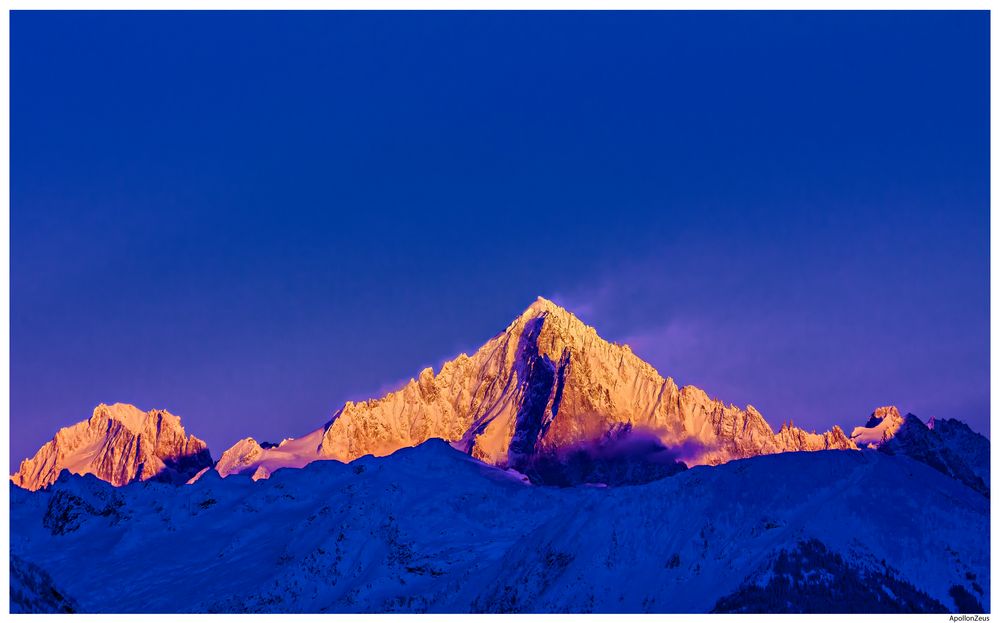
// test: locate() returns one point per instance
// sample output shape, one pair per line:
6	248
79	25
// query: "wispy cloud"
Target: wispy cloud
754	330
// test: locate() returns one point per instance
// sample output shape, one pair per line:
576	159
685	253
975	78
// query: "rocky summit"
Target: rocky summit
118	444
547	381
642	508
545	392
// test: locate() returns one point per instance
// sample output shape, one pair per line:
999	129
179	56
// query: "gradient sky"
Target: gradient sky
249	218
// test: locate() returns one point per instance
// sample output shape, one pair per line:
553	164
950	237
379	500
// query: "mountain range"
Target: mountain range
667	500
546	383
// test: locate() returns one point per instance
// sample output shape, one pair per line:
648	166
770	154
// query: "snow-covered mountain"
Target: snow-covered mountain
118	444
261	459
948	446
880	428
432	529
546	382
973	448
544	393
427	499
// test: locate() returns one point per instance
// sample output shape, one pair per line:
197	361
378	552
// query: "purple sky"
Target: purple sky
249	218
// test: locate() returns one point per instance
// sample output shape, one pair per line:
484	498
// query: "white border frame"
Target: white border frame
451	5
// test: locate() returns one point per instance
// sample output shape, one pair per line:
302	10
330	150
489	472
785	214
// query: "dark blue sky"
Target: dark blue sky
249	218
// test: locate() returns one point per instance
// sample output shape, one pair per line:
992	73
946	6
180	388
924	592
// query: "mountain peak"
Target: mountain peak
133	418
556	331
549	381
119	443
949	446
554	313
239	456
542	304
881	414
882	425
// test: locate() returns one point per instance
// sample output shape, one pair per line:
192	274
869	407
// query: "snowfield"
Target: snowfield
429	529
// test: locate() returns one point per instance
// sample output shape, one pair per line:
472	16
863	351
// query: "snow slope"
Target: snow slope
32	591
881	427
973	448
948	446
431	529
248	455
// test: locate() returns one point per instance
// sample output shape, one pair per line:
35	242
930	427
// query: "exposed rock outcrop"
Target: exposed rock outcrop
545	391
118	444
243	454
550	381
948	446
966	443
793	439
880	428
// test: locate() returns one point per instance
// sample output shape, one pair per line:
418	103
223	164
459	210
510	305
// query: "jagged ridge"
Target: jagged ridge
545	384
118	444
549	381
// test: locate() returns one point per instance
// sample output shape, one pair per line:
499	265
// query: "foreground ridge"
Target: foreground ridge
429	529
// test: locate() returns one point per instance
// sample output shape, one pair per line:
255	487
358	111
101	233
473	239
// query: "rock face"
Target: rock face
546	396
948	446
549	381
880	428
243	454
966	443
119	444
793	439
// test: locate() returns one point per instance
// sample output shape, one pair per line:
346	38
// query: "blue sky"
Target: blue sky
248	218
